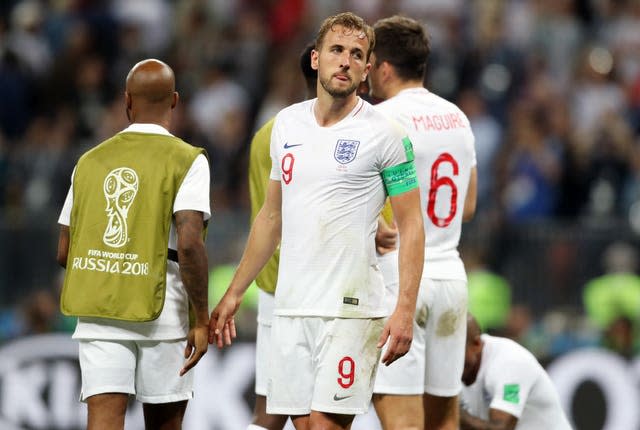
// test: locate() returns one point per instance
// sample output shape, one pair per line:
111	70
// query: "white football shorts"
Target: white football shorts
438	346
322	364
266	303
146	369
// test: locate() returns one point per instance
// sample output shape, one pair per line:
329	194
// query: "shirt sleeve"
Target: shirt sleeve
193	193
510	384
471	141
393	150
275	174
65	213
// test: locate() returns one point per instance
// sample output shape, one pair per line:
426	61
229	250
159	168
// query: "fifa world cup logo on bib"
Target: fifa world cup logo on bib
120	188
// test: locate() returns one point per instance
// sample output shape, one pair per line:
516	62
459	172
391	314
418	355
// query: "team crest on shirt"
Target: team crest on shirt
346	150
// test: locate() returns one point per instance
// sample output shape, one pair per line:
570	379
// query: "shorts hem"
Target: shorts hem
399	391
85	394
287	411
167	398
342	411
261	392
442	392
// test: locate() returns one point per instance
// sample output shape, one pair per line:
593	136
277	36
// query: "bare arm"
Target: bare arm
63	246
194	266
472	196
194	274
498	420
399	327
263	239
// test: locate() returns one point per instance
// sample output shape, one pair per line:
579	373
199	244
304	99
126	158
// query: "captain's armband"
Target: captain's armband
399	179
408	148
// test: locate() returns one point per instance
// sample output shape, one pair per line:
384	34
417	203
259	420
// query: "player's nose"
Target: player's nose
345	60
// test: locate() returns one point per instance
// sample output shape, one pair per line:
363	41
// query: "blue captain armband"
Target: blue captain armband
400	179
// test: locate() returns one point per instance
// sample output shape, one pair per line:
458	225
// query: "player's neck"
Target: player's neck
399	85
163	120
329	110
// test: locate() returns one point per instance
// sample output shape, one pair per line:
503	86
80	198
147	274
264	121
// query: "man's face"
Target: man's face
341	61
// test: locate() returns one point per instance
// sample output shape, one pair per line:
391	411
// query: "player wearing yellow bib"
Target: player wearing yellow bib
443	145
259	170
334	160
137	205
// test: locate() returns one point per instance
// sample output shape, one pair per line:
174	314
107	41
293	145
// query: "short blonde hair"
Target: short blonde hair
347	20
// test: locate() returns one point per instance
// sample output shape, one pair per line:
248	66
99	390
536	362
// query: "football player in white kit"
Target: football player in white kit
505	387
333	157
445	162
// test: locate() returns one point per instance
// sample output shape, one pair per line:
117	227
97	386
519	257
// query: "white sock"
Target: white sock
255	427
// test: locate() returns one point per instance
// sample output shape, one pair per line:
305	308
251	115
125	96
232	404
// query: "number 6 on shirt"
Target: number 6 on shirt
439	181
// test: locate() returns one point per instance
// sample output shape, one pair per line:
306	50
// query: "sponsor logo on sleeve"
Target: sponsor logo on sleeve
511	393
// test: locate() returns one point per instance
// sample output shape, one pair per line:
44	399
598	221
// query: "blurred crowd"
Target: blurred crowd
551	88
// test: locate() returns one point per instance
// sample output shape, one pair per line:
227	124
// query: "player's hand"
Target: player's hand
386	237
222	328
196	347
398	331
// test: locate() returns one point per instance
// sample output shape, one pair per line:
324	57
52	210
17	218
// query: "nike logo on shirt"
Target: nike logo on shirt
287	146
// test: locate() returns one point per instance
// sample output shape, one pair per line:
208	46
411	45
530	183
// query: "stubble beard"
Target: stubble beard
335	92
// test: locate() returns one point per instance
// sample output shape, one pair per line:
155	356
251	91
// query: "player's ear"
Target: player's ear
176	97
314	59
477	341
367	68
386	69
128	103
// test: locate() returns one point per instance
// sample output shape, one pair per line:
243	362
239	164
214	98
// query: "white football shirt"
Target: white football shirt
332	193
443	145
172	323
510	379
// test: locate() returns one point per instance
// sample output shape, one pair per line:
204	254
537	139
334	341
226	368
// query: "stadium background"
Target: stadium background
552	90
